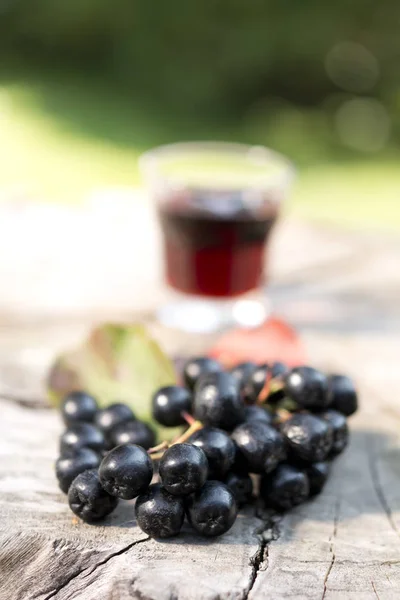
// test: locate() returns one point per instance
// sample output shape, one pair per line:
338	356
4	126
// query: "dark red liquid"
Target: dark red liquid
214	255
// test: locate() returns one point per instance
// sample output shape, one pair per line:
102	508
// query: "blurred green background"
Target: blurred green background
85	86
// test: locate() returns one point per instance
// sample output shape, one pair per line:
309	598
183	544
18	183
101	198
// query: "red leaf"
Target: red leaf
273	341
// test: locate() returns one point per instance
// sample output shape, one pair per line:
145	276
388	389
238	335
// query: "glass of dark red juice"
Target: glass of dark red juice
217	205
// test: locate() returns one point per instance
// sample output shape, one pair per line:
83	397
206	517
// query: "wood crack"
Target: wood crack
89	570
374	588
255	563
269	532
379	488
332	546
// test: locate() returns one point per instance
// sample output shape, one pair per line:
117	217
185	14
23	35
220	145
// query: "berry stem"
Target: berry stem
188	418
157	452
163	446
283	415
157	455
195	426
263	395
272	384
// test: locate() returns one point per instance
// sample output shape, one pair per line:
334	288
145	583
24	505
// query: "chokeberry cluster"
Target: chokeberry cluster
257	427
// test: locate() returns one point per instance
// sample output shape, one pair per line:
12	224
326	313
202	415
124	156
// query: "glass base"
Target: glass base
196	314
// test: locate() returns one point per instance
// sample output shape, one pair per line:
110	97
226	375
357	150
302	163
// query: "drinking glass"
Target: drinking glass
217	204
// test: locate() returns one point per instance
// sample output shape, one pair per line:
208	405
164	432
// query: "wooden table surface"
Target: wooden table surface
341	290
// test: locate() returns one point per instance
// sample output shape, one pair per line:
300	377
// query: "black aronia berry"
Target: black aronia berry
264	433
88	499
195	368
78	407
219	449
126	471
132	432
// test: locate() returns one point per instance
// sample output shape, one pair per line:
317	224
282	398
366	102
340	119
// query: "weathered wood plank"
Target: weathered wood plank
45	553
341	292
346	541
345	544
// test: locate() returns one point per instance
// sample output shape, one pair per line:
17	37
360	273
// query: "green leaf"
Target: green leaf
117	363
